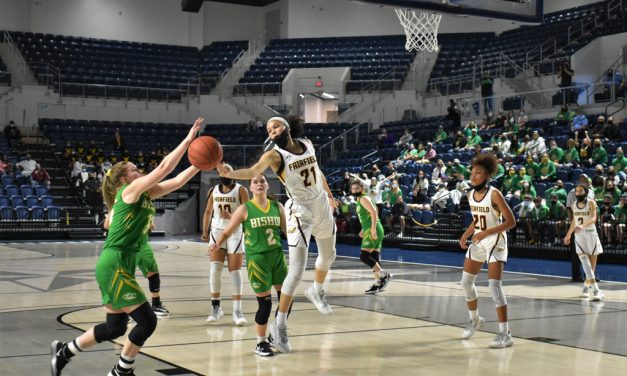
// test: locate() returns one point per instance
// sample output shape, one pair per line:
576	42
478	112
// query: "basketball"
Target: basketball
205	153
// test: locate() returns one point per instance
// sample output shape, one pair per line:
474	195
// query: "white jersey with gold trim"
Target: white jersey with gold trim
484	214
224	202
300	173
583	215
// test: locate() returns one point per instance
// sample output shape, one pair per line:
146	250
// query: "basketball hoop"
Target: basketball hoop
421	29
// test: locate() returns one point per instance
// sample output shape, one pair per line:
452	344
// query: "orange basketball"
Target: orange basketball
205	153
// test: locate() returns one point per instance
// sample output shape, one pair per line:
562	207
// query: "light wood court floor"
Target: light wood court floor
48	291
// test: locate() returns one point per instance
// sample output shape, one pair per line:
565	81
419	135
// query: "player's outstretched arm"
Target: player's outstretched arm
168	164
283	222
270	159
206	217
171	185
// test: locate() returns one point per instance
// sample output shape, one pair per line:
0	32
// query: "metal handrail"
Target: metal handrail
613	65
17	56
622	100
331	142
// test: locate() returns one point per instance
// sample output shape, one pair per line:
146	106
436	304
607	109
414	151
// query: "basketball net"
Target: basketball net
421	29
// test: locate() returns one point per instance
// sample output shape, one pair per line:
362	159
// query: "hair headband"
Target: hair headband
280	120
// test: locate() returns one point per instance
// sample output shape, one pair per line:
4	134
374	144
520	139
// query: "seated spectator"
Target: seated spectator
599	154
399	212
420	154
556	153
532	168
5	168
459	142
526	188
620	214
557	214
598	127
440	135
547	168
457	167
501	119
580	121
610	131
439	173
558	191
406	138
386	139
504	145
536	147
27	164
469	128
527	215
346	183
91	192
509	181
81	149
440	199
541	214
473	140
565	116
40	176
93	147
612	191
12	132
126	155
522	120
420	188
571	155
619	162
430	154
606	217
67	150
105	167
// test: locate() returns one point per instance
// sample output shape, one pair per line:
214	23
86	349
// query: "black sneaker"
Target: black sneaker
160	310
270	340
373	289
117	371
58	360
383	281
263	349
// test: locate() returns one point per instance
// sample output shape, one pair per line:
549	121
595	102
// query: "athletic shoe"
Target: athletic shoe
58	360
472	326
586	292
117	371
216	314
319	299
383	281
160	310
400	235
502	340
597	296
280	339
263	349
373	289
238	318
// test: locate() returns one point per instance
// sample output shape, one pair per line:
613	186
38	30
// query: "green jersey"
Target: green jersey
364	215
571	155
130	222
262	228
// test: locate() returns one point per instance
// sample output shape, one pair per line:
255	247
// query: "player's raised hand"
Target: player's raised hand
224	169
193	132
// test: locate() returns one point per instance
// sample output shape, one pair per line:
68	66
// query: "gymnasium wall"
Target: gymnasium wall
151	21
551	6
592	61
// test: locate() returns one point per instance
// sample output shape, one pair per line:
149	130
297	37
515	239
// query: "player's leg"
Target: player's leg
587	247
495	282
278	331
472	266
215	276
370	255
325	232
259	267
147	263
234	257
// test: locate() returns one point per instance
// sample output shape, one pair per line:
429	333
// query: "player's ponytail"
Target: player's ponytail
111	183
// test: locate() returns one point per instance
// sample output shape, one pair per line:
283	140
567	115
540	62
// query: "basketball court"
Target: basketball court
48	291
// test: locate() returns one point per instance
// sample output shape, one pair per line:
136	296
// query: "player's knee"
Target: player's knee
468	284
146	324
114	327
236	279
376	256
326	253
324	262
264	310
498	295
154	283
215	276
367	259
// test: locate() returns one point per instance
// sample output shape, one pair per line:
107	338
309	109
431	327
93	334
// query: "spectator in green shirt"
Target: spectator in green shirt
547	168
558	190
558	215
620	215
556	153
458	168
526	188
565	116
620	162
542	213
522	177
532	168
507	187
440	135
571	156
469	128
473	140
599	154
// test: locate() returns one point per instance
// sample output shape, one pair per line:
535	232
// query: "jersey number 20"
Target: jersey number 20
480	222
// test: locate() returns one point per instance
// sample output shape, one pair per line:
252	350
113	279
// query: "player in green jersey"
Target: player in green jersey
262	220
372	238
129	194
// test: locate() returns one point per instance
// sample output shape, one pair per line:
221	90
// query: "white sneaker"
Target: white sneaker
502	340
400	235
319	300
472	326
280	340
586	292
216	314
238	318
597	296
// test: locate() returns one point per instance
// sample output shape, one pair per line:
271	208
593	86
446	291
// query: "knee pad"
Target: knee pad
498	295
114	327
236	279
468	284
587	266
146	324
154	283
215	276
326	253
295	270
367	259
264	310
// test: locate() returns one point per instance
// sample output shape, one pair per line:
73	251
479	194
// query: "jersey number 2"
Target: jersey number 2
305	174
270	233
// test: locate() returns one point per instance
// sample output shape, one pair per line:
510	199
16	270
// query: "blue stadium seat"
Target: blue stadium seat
53	213
22	213
6	213
17	200
47	201
37	213
27	190
11	190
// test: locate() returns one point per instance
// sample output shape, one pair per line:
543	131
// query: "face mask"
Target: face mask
386	189
619	155
607	203
394	185
512	173
545	160
526	186
581	198
282	139
480	186
226	181
554	202
523	173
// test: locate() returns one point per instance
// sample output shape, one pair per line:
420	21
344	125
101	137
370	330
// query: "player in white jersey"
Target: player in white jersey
309	211
587	243
492	217
222	200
